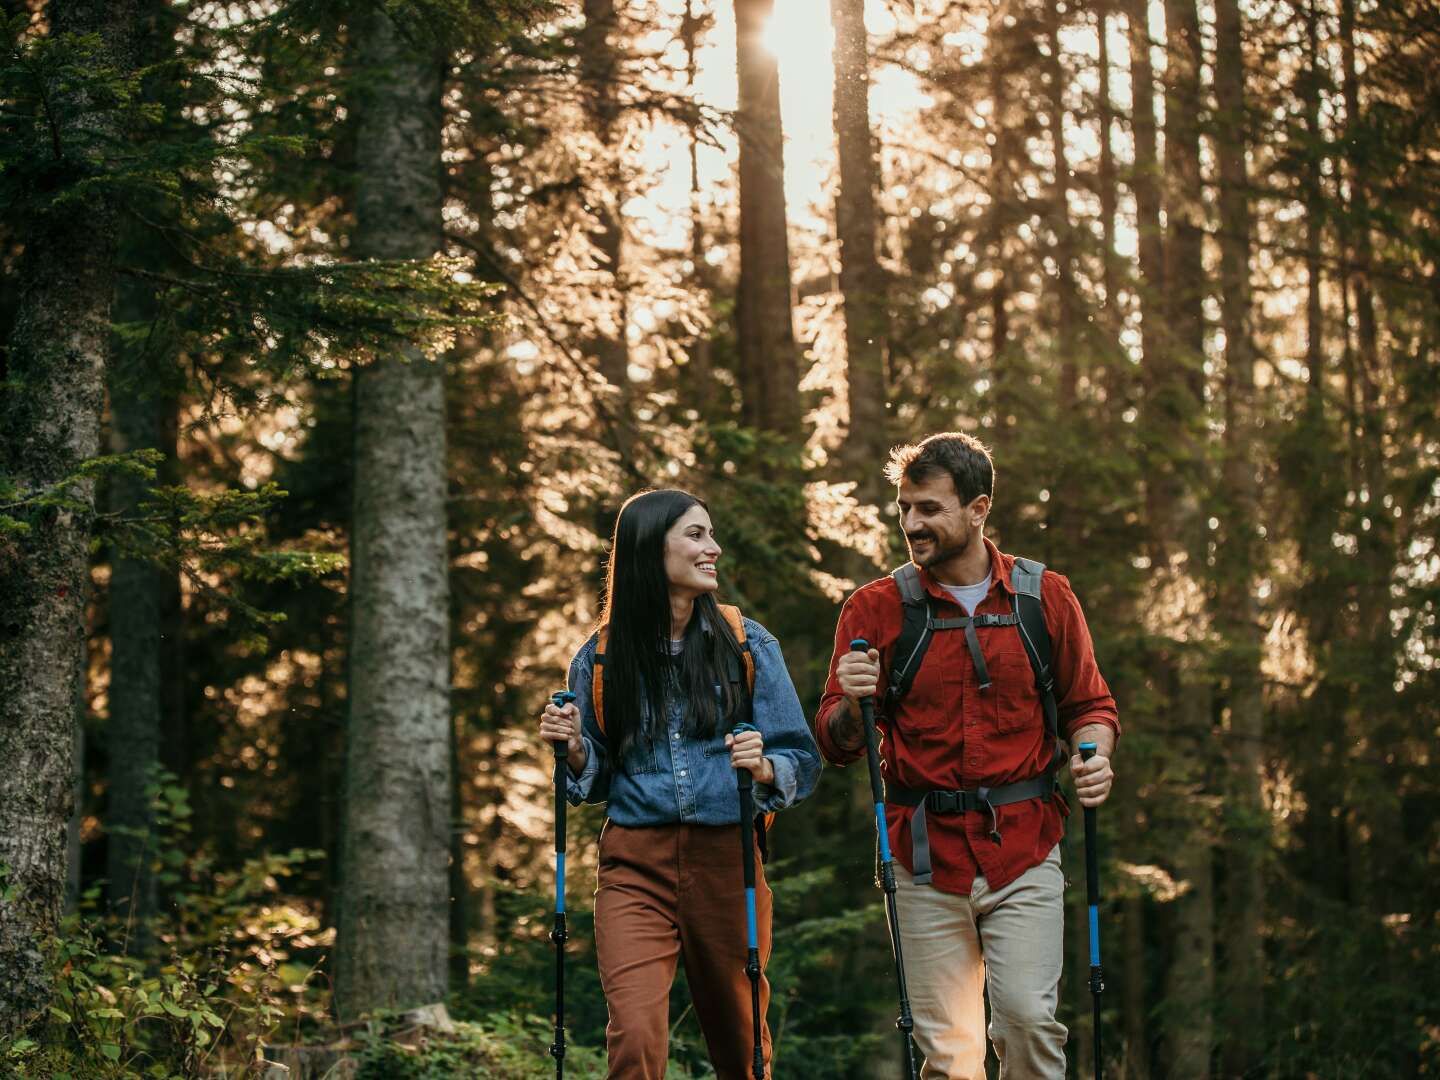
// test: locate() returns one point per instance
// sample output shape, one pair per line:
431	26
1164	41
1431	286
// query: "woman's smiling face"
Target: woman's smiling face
691	553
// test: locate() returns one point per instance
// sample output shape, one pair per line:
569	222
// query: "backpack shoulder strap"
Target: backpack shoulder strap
731	614
1025	579
597	681
915	632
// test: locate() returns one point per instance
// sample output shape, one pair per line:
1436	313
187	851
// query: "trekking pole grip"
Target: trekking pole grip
560	699
1092	860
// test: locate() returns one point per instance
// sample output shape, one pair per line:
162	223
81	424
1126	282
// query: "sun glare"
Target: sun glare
801	37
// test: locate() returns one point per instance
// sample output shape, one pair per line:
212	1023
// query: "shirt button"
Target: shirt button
674	735
682	772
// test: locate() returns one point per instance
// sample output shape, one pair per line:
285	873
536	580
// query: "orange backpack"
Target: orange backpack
733	619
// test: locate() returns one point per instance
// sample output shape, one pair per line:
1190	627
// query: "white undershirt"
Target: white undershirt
969	596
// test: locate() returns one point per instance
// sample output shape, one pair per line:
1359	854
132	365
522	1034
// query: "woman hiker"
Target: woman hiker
658	689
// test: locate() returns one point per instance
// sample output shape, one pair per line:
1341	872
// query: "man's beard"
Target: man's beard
939	553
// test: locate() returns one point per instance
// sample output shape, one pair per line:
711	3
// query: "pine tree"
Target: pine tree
51	416
394	918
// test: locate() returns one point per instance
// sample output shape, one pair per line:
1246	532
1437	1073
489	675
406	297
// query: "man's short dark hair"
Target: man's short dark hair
962	456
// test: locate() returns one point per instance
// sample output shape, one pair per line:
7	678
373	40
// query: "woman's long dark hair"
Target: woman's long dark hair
641	677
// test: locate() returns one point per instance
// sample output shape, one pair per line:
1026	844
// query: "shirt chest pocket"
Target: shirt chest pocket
1014	701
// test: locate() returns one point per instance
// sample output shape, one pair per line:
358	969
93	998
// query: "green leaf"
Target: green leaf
173	1009
111	1051
61	1015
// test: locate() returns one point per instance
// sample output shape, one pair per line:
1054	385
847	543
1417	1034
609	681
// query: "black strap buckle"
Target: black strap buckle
948	802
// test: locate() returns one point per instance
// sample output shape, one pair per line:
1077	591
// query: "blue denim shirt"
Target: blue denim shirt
679	778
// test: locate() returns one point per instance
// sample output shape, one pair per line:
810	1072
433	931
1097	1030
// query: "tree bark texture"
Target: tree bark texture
394	912
50	415
769	365
862	280
1247	836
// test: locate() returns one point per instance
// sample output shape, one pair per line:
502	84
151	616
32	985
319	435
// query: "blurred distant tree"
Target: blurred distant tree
768	358
862	280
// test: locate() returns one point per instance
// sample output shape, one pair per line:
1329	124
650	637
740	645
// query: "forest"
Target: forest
333	336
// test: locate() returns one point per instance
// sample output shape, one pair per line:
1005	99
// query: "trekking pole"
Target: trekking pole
558	935
1092	898
747	856
905	1022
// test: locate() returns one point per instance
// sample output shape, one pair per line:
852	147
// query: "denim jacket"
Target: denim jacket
680	778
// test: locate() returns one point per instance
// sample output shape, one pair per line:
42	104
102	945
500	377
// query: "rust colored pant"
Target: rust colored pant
667	892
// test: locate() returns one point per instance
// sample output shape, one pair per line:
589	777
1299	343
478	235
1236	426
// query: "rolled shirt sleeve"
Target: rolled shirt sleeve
1082	696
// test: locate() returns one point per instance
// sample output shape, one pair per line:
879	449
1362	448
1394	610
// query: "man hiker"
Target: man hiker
981	664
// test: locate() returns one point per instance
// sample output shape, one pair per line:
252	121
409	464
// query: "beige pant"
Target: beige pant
1010	940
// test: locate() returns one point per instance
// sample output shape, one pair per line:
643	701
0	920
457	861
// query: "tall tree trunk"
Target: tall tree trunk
50	414
137	588
1135	999
1145	183
700	360
1247	835
1314	229
862	281
1000	185
1173	432
1067	299
1373	805
1359	273
599	74
769	364
394	913
1112	315
142	409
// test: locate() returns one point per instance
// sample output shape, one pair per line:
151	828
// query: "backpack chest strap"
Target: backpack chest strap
969	623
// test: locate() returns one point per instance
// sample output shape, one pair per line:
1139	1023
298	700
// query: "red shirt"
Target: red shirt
947	733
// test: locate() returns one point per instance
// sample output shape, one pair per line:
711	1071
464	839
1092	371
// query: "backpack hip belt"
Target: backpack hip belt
918	627
938	801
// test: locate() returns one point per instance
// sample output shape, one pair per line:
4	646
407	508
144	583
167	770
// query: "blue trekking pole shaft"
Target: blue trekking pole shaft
746	784
1092	898
557	933
904	1022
